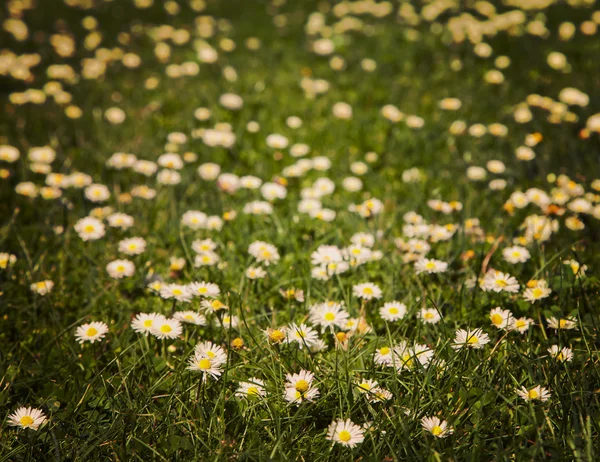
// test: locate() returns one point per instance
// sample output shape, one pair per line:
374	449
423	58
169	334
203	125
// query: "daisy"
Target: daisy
299	387
120	220
212	306
165	328
27	417
178	292
204	289
379	394
501	319
263	252
497	281
230	322
392	311
516	254
345	432
90	229
564	354
426	265
328	315
205	245
7	259
132	246
211	350
536	393
119	269
190	317
205	365
429	315
521	325
252	388
383	356
296	294
470	339
194	219
366	386
436	427
255	272
143	322
42	287
562	323
304	335
206	259
91	332
276	335
366	291
540	291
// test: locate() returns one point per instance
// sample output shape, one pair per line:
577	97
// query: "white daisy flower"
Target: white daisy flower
132	246
536	393
302	334
345	432
497	281
204	289
27	417
255	272
299	387
179	292
165	328
90	229
470	339
208	367
143	322
366	291
328	315
119	269
516	254
429	315
563	355
190	317
392	311
427	265
252	388
92	332
501	319
436	427
42	287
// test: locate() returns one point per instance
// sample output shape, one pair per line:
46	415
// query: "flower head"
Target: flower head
91	332
345	432
27	417
436	427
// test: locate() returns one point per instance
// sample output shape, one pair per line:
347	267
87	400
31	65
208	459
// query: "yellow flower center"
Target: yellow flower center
437	430
165	328
537	292
560	356
89	228
302	386
177	291
368	291
329	316
345	436
384	351
430	265
148	323
252	391
202	290
26	420
364	386
520	323
393	310
277	336
120	268
91	332
501	282
204	364
497	319
473	339
428	315
562	323
533	394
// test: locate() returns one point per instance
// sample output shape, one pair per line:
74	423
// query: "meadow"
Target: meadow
299	230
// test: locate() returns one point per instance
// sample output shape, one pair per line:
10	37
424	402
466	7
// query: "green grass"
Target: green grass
129	397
